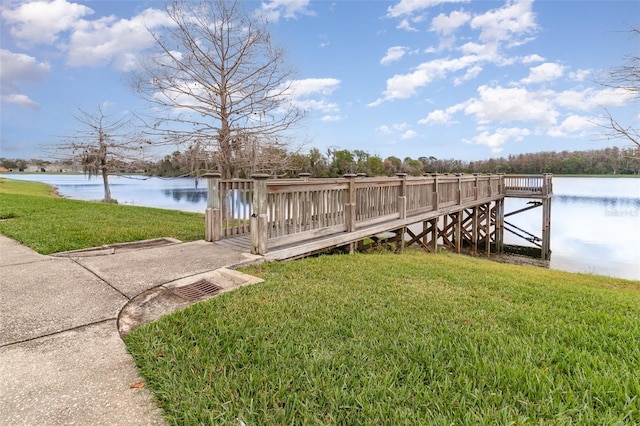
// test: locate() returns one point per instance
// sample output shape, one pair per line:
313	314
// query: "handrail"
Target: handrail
288	211
533	185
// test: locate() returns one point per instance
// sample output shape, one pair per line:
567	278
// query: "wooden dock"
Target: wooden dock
291	218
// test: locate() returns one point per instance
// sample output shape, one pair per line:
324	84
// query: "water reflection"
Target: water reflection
184	195
605	201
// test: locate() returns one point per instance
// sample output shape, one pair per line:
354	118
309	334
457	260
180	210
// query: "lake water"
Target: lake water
595	225
595	222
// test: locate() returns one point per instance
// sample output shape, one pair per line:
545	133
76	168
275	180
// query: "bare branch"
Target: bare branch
216	78
102	145
625	77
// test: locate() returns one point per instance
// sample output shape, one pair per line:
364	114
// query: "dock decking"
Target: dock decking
290	218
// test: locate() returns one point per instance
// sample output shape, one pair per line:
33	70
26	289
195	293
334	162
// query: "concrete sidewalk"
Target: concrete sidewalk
62	360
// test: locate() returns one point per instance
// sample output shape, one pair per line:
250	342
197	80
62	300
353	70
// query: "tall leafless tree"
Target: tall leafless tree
218	79
625	77
102	145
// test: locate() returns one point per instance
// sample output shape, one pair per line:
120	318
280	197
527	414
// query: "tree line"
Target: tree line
336	162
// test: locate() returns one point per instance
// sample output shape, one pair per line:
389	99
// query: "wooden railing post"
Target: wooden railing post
435	191
402	197
459	176
490	192
259	233
546	184
476	189
402	206
350	203
212	214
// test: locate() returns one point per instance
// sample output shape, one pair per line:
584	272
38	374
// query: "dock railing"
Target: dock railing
529	185
277	212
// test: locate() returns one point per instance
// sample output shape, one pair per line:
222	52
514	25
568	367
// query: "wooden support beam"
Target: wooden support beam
546	229
458	231
474	230
259	232
418	238
213	217
499	225
487	231
434	235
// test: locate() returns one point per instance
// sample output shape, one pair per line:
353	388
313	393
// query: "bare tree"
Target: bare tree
102	145
218	79
625	77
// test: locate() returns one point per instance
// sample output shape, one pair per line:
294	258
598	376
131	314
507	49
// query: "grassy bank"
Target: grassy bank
401	340
31	214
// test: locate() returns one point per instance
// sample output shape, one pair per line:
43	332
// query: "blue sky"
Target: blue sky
449	79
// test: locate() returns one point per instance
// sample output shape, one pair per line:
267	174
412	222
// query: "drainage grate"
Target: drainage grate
143	244
197	290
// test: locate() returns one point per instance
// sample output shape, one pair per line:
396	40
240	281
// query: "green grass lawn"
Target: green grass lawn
32	215
385	339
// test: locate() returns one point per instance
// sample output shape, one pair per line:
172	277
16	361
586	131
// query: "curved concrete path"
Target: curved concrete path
62	361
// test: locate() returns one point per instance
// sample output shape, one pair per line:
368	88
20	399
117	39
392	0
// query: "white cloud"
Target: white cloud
499	28
20	99
516	18
329	118
405	24
471	74
500	137
18	68
409	134
487	51
498	104
40	22
308	86
436	117
409	7
546	72
447	24
580	75
273	10
400	130
541	108
402	86
309	94
99	42
393	54
613	97
85	42
316	105
573	126
532	58
185	95
589	98
574	99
